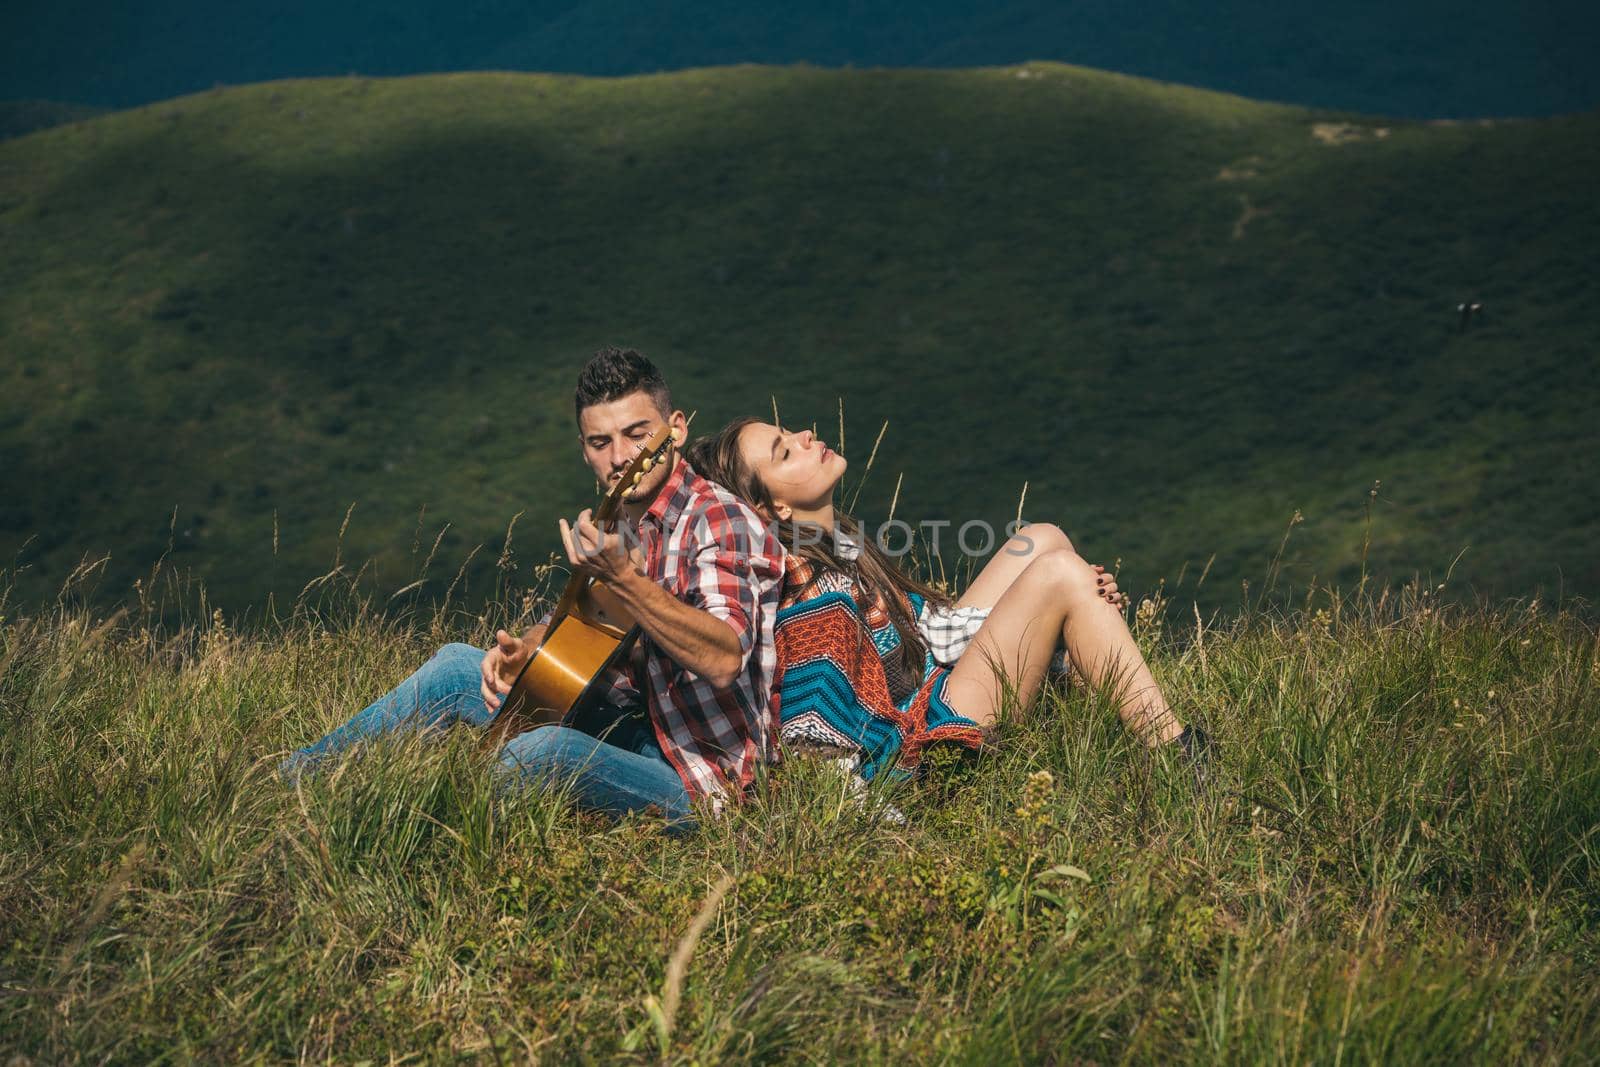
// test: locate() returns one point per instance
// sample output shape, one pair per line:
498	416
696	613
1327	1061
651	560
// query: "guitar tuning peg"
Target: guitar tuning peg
649	461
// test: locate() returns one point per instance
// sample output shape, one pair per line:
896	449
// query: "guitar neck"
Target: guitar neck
607	511
605	514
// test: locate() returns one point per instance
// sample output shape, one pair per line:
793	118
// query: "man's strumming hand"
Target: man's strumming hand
505	661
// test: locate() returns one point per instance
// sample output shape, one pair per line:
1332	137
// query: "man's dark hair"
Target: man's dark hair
613	373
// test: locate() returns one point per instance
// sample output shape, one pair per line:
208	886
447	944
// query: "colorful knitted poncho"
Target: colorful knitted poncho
835	658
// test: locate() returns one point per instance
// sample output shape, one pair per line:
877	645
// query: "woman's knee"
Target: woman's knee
1037	538
1065	573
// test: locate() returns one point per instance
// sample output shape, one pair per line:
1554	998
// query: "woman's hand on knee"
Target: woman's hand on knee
1106	586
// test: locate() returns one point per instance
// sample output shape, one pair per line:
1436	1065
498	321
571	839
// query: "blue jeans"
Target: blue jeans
624	773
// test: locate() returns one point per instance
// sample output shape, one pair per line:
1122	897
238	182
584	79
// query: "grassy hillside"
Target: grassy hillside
1394	862
1178	316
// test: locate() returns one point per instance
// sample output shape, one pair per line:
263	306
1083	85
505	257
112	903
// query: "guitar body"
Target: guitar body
563	678
589	632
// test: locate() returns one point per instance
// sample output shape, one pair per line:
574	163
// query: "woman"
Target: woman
865	651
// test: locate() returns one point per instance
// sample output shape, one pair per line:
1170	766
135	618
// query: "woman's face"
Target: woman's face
798	470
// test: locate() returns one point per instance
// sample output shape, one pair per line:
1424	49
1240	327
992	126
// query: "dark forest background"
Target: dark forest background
1425	58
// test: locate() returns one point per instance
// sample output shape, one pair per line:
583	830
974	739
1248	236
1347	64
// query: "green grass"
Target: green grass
226	318
1395	862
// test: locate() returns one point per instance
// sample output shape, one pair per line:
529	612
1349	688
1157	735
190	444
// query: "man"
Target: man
689	716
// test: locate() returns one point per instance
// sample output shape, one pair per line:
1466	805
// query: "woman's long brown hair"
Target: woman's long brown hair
718	458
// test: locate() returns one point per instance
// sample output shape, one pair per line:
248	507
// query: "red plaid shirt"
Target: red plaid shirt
711	551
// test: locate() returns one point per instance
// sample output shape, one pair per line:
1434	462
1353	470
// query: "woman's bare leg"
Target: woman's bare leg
1056	598
1003	568
1006	565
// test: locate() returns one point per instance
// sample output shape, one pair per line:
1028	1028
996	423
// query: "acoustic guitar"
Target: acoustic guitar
589	632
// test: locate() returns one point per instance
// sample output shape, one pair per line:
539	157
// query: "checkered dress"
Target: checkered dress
712	552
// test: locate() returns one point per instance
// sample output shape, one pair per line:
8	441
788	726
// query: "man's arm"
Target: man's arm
711	640
691	637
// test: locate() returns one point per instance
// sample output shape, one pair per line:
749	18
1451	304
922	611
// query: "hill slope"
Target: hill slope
1179	316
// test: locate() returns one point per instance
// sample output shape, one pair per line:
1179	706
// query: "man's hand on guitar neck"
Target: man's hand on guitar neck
505	661
608	556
